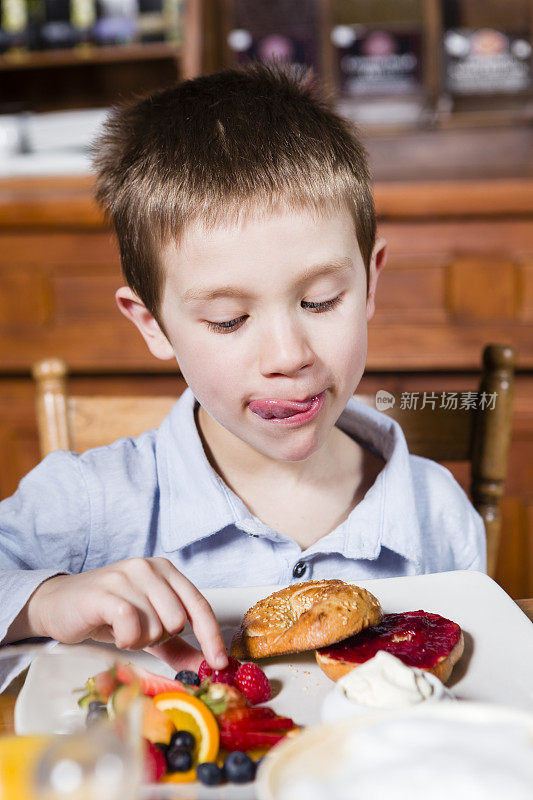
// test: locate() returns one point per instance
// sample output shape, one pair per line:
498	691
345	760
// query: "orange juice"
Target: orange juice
18	758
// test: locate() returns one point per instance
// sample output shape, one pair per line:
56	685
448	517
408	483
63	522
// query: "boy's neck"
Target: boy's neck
233	459
304	500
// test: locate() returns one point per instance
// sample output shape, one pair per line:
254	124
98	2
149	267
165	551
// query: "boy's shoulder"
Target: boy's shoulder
424	507
385	437
436	487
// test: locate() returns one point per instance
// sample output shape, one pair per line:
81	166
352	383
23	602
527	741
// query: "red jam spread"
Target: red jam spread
417	638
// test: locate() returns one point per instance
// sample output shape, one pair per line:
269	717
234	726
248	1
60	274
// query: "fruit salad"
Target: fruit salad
209	726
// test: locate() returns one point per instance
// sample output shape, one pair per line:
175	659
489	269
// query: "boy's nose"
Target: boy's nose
285	351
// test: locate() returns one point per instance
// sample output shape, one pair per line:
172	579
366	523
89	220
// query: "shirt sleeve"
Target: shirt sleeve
44	531
475	555
452	530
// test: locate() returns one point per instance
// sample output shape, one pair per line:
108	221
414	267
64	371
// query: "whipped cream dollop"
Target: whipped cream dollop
386	682
382	682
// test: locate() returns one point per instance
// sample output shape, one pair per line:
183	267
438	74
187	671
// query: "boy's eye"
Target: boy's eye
325	305
225	327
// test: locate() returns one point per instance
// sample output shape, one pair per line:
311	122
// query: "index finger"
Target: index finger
178	653
202	618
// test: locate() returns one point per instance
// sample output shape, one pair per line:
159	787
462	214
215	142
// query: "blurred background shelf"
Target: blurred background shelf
90	55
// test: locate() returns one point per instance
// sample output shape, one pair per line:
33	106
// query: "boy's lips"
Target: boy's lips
275	408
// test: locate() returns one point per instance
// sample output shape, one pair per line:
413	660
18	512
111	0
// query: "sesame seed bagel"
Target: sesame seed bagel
304	616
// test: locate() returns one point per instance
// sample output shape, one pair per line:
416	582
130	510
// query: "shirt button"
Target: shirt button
299	569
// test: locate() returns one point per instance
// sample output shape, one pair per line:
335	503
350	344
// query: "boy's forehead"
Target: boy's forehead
300	236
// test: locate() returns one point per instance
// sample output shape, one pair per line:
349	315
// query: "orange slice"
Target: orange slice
190	714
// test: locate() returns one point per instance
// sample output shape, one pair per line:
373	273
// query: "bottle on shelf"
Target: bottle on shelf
57	30
116	22
486	53
151	21
83	18
266	30
14	33
379	60
160	20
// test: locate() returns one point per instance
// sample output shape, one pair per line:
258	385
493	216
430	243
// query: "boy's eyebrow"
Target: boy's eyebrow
334	267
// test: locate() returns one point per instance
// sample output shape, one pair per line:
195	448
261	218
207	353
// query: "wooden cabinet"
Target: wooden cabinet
459	275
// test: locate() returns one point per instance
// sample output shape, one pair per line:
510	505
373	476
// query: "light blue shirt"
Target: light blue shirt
157	495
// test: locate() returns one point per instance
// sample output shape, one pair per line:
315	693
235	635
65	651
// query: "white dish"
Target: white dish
466	750
495	667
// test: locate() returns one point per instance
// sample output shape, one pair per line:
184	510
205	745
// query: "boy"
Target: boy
247	236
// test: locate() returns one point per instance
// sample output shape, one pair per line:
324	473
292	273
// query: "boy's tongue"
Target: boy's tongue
279	409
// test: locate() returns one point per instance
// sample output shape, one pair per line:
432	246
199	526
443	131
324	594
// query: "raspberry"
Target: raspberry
219	675
253	683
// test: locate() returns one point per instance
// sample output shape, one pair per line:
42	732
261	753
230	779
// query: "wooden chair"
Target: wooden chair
479	435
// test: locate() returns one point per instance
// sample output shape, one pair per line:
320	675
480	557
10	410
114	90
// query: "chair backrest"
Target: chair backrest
444	426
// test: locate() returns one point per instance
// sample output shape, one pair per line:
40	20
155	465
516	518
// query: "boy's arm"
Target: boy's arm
44	530
136	602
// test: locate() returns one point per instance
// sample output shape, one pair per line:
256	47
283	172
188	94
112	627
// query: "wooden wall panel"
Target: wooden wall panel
61	246
24	300
482	288
525	304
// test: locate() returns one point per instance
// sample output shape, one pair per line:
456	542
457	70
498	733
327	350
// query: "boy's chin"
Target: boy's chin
292	451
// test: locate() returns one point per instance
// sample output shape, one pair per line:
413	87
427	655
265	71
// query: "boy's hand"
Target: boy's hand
136	603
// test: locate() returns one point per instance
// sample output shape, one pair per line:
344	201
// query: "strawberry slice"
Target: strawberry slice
273	724
149	683
102	685
155	764
105	683
238	715
234	739
248	728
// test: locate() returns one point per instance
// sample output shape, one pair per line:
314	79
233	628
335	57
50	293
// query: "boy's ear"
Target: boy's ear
377	262
134	309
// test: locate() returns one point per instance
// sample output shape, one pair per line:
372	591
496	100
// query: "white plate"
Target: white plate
385	748
495	667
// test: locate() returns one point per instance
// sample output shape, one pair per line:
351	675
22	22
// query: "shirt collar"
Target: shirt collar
196	503
387	515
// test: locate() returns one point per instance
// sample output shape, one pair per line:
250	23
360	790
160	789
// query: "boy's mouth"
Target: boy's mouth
273	408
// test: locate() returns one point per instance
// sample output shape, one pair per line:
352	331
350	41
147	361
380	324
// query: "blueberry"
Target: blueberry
96	712
182	739
178	759
239	768
209	773
96	705
188	676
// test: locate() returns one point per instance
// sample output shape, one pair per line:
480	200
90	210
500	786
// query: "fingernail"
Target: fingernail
221	660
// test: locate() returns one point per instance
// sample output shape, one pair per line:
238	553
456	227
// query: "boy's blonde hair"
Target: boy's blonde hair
241	141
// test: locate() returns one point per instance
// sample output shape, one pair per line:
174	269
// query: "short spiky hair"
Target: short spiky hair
241	141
